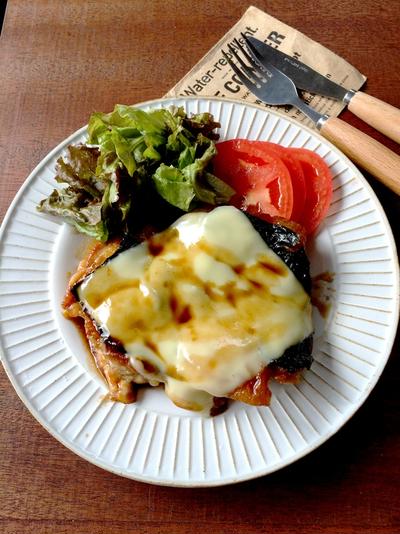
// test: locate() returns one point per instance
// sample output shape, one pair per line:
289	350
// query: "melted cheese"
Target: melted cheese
201	307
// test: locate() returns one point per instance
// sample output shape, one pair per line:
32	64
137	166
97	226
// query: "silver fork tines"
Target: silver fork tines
254	74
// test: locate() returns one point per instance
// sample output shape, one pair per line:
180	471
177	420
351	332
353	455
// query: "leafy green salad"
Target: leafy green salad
136	162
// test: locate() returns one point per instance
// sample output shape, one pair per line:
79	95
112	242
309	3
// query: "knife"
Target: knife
383	117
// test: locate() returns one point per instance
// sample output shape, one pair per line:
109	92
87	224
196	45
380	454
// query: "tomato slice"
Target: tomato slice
318	185
274	181
263	149
262	182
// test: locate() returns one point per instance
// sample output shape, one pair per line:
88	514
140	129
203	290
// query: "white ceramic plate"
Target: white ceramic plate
152	440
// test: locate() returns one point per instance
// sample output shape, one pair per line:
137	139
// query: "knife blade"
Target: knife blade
382	116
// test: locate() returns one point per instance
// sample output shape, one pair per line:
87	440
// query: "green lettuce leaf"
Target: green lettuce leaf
123	152
191	183
77	209
172	185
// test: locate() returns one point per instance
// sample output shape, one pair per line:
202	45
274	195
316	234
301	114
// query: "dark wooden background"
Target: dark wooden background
59	61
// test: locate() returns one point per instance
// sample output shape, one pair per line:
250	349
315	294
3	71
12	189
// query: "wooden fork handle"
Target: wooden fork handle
364	151
383	117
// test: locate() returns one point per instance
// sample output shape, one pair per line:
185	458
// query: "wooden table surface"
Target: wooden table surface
63	59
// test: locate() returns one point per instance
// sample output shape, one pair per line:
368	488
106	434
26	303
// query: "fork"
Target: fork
273	87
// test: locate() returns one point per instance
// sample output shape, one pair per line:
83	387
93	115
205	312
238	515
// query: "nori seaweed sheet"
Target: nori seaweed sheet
287	244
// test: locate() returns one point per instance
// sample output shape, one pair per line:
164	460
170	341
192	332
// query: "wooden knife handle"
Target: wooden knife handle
365	151
383	117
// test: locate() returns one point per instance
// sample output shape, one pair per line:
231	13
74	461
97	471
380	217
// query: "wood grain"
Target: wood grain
60	60
384	117
368	153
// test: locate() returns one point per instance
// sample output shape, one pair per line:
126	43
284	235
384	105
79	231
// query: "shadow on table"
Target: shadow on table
3	6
